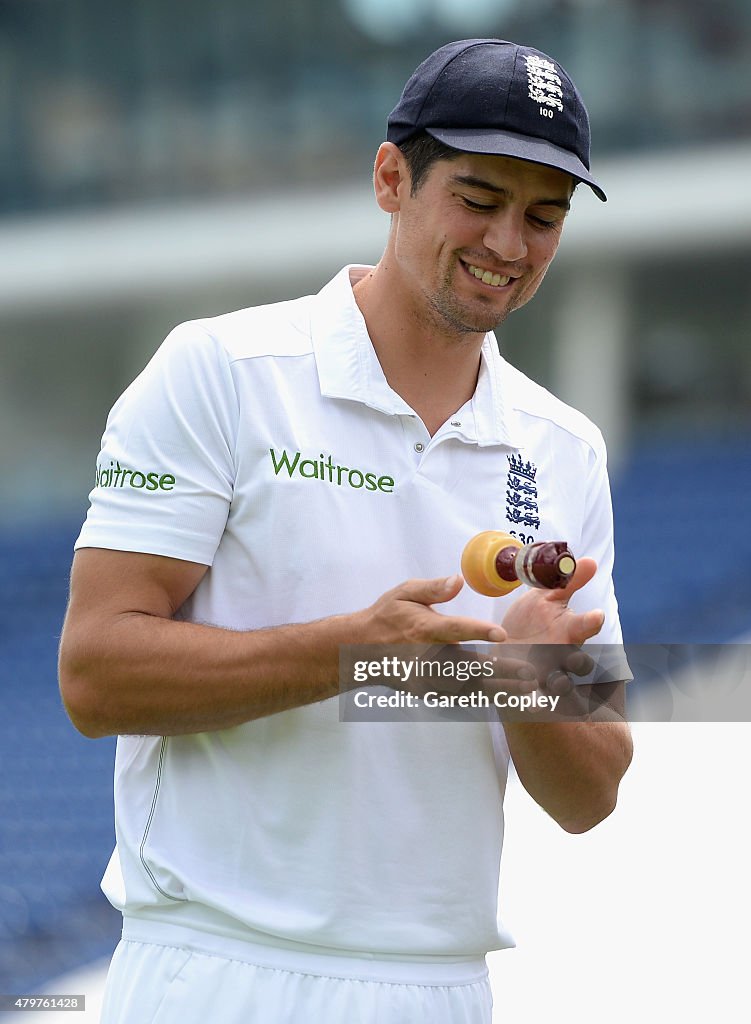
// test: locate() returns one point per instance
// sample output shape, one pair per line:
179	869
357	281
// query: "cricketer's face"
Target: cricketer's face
476	240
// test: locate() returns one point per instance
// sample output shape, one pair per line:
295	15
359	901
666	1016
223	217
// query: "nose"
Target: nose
505	236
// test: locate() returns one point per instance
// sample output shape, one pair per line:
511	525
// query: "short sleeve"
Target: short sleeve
597	543
165	474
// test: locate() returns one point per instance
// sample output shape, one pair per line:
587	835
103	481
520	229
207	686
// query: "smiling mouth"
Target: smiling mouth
488	277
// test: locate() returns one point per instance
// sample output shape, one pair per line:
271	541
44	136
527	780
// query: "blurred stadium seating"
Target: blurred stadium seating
55	786
683	554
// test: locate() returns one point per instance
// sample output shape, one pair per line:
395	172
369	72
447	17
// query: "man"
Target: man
285	480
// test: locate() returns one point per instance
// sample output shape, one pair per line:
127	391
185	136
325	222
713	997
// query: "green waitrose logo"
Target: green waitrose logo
120	476
324	469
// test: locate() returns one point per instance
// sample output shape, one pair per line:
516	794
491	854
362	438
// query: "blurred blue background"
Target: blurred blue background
162	160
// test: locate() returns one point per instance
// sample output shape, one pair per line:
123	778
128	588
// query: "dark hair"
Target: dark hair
421	151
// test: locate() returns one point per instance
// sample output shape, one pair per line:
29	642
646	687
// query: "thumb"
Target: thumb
584	572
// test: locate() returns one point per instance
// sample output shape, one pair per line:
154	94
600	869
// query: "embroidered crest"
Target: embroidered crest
545	86
521	493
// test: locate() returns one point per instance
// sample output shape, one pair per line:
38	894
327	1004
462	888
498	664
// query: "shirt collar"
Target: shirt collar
348	366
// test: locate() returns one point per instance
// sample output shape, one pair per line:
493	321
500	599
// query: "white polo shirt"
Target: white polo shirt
268	445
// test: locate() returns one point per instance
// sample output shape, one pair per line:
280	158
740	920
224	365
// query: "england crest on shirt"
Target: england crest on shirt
522	509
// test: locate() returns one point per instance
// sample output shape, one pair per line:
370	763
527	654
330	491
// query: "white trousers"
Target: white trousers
158	982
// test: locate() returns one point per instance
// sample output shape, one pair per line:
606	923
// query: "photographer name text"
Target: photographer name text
476	699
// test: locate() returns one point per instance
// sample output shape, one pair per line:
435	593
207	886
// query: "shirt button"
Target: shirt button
419	447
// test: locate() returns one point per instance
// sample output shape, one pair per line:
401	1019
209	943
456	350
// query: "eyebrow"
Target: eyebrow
473	182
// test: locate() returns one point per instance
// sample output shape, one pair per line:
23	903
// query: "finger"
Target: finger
512	670
585	570
585	625
516	687
458	629
579	663
558	683
514	675
435	591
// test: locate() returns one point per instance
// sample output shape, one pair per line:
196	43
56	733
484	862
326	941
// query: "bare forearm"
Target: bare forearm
571	766
158	676
127	665
572	769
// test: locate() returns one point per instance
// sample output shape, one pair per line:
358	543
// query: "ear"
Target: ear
390	177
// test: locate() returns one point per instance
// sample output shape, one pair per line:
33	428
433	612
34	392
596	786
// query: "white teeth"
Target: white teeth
488	277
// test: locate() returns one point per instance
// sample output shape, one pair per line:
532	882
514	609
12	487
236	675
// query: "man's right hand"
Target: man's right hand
405	615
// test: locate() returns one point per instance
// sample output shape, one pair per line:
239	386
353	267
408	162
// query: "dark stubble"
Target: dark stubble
452	316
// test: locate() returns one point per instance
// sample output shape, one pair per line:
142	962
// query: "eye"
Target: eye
542	223
472	204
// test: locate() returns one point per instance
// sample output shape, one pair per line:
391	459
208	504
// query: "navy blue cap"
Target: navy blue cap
493	96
